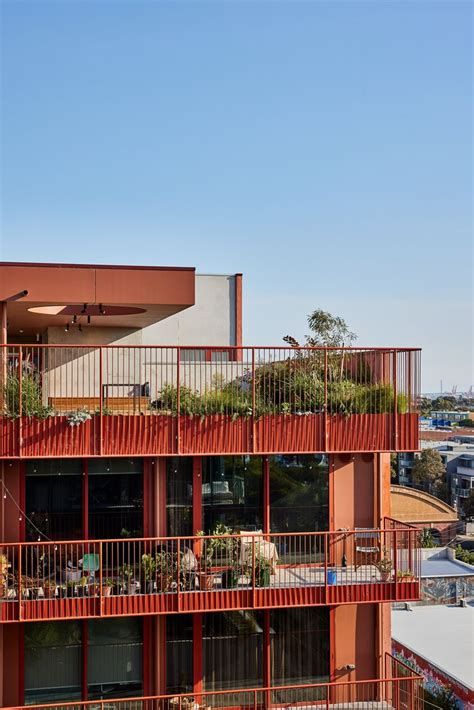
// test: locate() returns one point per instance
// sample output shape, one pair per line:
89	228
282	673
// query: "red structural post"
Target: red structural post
20	398
178	398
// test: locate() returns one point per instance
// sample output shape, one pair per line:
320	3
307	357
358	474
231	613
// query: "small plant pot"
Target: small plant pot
262	578
2	590
206	580
150	587
107	591
82	591
49	591
230	579
163	583
62	593
385	576
34	593
94	590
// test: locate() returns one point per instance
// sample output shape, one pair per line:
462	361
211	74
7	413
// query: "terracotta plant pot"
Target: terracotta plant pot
206	580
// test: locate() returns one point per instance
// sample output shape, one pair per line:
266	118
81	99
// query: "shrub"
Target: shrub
31	397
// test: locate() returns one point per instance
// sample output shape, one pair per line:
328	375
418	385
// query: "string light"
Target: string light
22	513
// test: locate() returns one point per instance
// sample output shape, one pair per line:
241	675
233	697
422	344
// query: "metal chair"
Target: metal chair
367	547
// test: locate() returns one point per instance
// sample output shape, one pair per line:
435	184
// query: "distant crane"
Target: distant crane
454	390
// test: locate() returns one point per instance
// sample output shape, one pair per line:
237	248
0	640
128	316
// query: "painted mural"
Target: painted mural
445	691
446	590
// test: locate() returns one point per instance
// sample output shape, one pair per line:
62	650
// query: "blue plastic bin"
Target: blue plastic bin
332	577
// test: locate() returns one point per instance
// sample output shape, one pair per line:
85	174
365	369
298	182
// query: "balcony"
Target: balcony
400	689
81	579
80	401
463	492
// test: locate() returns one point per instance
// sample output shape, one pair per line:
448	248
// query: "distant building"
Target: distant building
448	418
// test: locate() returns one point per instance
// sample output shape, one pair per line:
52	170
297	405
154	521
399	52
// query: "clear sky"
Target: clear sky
324	149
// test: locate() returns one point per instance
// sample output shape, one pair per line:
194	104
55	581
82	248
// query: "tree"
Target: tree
327	331
468	505
429	472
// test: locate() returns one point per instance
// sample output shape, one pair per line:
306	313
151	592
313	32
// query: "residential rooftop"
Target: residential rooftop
441	635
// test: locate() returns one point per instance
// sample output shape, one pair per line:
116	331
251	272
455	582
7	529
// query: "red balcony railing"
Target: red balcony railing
124	400
77	579
401	690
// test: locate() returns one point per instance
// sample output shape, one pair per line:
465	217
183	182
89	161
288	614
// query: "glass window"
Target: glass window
115	658
232	492
299	642
232	650
179	496
192	355
53	494
53	661
179	654
115	498
299	493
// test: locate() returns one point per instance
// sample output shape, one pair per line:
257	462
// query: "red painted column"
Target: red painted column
238	316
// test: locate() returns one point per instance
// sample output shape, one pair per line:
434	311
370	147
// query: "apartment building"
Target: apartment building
187	520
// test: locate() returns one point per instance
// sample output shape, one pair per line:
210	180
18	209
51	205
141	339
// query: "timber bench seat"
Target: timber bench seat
114	405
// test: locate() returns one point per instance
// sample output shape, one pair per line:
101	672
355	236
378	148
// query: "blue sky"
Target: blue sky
322	148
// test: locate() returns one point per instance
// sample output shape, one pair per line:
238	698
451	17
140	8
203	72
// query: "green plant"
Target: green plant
384	565
78	417
31	396
463	555
148	567
263	570
426	539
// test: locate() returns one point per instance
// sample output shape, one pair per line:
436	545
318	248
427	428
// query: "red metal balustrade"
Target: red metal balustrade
59	401
164	575
401	690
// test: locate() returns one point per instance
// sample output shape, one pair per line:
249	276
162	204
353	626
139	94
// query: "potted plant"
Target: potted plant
70	588
107	586
128	584
94	587
165	564
406	576
82	587
384	566
205	574
49	589
62	591
263	570
4	567
149	572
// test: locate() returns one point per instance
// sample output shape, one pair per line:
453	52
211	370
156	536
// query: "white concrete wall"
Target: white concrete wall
211	321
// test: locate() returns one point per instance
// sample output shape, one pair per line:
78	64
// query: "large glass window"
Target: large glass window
179	496
299	493
179	654
115	498
299	640
115	653
53	494
232	492
232	650
52	661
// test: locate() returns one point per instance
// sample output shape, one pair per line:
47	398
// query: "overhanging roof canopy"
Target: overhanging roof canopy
118	296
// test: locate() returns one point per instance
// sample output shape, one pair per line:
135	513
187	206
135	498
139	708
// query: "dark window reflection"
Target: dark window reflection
232	650
232	492
53	492
179	496
179	654
115	658
299	494
53	661
115	498
299	640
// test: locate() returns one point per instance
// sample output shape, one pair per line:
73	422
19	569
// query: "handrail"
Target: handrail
330	685
167	538
216	348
